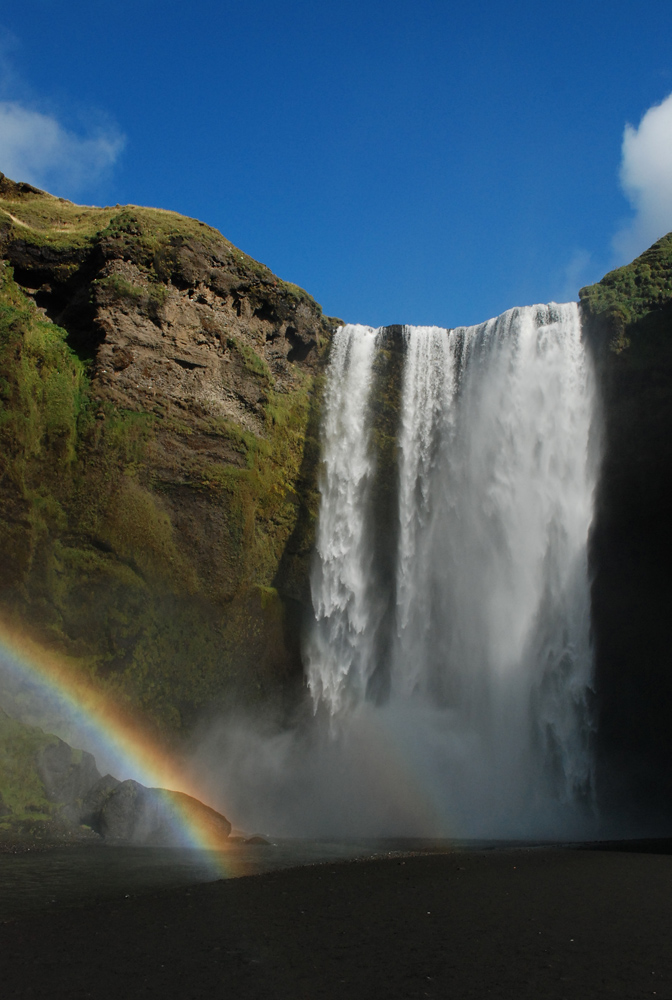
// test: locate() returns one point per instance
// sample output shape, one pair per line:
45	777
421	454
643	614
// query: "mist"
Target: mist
451	695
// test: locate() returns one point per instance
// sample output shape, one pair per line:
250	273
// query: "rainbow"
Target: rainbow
123	737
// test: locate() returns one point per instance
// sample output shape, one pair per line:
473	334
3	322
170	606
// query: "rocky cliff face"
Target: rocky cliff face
628	316
158	414
42	784
52	794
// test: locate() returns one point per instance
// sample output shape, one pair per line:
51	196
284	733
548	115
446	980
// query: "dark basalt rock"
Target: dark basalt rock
133	814
67	774
59	797
628	320
130	813
95	798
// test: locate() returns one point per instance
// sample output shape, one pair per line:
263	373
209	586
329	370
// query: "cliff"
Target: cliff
158	419
628	317
42	779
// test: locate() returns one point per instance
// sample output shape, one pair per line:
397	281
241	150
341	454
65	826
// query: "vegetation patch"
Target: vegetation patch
42	387
23	795
631	294
153	237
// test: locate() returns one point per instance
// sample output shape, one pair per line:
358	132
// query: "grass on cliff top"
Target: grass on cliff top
44	220
629	293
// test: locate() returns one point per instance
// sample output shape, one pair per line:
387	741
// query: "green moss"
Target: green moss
42	390
254	363
242	441
46	221
20	784
138	531
150	296
154	235
630	294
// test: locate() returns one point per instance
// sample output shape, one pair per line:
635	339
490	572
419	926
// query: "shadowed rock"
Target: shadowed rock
66	774
50	790
137	815
95	798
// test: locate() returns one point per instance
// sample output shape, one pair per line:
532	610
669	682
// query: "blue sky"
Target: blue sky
427	162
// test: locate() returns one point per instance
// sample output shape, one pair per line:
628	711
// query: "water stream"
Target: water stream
488	662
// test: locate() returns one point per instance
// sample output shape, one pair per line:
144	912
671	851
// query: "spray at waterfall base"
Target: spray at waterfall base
448	658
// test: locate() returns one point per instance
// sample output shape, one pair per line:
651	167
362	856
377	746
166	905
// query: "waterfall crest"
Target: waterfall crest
488	660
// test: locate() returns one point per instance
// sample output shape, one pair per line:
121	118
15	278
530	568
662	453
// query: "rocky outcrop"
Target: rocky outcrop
52	792
157	451
96	797
129	813
43	782
628	316
24	798
66	775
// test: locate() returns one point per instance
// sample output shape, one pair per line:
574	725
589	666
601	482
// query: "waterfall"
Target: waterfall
488	661
337	652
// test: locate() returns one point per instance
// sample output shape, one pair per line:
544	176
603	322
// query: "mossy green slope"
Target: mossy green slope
159	542
152	236
23	798
631	293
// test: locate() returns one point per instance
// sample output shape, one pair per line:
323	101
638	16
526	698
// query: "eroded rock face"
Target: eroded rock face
178	322
158	485
189	349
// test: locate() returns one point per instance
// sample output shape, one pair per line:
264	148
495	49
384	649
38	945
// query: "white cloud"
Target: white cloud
646	177
576	273
35	147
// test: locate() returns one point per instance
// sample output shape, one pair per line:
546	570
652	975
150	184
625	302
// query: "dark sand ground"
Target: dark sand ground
535	923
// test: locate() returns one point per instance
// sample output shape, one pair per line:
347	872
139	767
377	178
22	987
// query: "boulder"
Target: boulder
95	798
130	813
67	774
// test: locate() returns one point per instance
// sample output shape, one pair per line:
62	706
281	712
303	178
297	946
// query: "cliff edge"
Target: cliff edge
158	422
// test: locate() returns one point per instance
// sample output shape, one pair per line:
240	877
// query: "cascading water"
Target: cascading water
340	639
488	662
